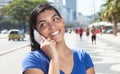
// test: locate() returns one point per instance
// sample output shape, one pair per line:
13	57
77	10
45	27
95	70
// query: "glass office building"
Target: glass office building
71	11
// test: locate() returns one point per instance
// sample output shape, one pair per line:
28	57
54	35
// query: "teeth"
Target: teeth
55	33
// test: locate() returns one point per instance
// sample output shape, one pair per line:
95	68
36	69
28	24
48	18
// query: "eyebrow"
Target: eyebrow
55	15
51	17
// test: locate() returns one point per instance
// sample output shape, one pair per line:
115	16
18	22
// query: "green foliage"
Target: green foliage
20	10
111	13
109	8
69	25
6	23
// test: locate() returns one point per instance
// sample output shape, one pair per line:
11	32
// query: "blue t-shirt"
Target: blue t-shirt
37	59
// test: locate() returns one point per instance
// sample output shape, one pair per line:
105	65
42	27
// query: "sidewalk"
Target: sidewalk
105	56
110	37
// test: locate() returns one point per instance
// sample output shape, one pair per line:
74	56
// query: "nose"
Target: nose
52	26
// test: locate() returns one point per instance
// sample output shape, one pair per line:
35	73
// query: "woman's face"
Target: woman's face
50	25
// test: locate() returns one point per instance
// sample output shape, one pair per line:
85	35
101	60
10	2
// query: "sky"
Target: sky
88	7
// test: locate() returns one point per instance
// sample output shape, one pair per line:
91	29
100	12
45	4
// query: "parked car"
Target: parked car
110	31
5	31
15	34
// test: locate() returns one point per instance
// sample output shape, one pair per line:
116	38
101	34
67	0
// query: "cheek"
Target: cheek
44	33
61	24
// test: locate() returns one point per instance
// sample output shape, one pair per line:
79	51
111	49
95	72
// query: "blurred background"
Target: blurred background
14	14
103	14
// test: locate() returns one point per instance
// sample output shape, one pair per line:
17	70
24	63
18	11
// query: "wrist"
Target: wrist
54	66
54	57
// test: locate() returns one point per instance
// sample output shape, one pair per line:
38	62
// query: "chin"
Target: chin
59	40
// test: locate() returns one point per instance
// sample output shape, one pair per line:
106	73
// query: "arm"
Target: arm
54	66
48	46
89	64
34	71
90	71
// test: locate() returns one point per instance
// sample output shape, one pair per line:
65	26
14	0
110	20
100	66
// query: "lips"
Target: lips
55	33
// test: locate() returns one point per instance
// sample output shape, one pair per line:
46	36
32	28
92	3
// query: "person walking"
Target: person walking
87	31
93	35
80	32
52	55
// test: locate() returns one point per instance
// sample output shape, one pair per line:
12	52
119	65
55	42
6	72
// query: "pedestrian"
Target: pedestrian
87	31
52	55
76	30
80	32
93	35
101	30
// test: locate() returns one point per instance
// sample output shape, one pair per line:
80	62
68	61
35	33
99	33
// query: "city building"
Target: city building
60	7
71	11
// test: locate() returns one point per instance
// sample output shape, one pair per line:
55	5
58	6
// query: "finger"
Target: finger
48	39
52	42
41	38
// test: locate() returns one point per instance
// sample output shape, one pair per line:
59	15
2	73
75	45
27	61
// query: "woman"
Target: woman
53	56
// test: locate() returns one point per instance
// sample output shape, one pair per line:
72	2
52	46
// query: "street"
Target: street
11	45
105	55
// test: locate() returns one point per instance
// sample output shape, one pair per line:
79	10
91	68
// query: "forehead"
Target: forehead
46	14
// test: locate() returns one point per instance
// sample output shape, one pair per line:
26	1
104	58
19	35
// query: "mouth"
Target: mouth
55	33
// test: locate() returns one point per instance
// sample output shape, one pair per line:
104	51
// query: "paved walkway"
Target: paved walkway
106	54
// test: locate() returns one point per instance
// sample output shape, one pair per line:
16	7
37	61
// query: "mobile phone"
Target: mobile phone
36	36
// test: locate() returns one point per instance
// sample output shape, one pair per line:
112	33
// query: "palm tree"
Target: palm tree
110	12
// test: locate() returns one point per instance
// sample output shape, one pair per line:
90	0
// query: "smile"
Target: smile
55	33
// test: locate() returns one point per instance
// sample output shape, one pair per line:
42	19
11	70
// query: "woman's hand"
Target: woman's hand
48	46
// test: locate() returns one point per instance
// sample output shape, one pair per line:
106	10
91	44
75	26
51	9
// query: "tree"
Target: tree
21	9
111	12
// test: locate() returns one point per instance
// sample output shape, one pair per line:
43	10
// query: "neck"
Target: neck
62	49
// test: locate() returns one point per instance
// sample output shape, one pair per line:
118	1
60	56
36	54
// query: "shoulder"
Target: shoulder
81	54
35	59
38	55
84	58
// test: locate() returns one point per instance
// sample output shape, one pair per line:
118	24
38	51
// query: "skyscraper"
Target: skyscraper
71	11
60	7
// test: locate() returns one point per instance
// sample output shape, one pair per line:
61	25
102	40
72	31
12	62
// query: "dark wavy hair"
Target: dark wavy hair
33	19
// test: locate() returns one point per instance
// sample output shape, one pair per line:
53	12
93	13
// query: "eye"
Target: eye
43	25
56	19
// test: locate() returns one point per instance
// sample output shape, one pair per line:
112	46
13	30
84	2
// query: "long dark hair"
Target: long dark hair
33	19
